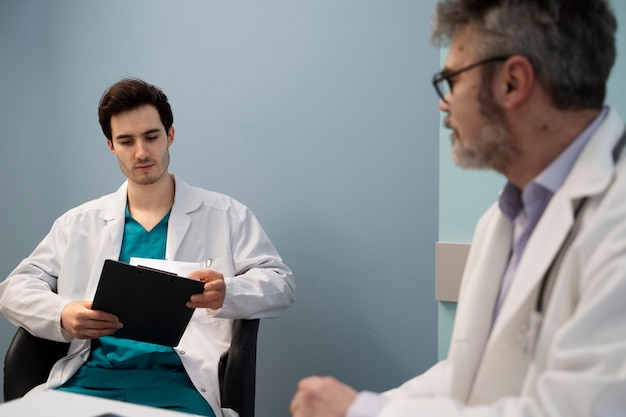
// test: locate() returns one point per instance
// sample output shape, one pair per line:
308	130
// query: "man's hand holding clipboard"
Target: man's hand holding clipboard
150	303
81	322
214	290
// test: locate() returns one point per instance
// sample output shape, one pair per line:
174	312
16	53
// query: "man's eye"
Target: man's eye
152	137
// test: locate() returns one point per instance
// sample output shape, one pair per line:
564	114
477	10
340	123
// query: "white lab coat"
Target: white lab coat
579	365
202	225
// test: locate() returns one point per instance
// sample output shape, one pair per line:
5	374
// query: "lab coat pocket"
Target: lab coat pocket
206	318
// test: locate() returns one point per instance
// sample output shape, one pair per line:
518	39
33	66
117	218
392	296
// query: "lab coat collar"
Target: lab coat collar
591	175
186	201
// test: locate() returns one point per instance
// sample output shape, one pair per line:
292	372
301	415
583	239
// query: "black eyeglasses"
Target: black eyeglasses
441	80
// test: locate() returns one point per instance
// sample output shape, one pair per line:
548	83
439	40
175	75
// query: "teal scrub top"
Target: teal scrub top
139	372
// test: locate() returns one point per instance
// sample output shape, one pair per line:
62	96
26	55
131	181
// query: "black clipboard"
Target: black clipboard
150	303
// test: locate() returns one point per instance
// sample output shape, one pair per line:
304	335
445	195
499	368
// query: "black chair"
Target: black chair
29	359
237	369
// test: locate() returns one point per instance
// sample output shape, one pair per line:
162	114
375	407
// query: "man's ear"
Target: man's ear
110	145
515	81
170	135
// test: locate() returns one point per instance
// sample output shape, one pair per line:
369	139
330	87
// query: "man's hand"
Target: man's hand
80	321
214	290
322	397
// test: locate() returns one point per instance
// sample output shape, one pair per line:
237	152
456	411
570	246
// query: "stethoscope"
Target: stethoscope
531	332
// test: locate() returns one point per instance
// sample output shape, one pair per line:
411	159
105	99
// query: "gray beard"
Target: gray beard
491	151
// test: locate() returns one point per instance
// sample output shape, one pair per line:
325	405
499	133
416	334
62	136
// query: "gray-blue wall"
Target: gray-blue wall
318	115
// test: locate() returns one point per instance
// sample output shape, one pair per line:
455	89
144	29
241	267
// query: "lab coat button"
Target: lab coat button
182	352
203	389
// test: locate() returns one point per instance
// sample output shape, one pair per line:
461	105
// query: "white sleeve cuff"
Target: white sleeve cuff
366	404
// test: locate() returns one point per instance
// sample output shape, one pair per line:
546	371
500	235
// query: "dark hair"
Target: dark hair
570	43
130	94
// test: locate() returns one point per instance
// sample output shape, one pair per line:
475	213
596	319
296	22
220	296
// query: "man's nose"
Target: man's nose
141	152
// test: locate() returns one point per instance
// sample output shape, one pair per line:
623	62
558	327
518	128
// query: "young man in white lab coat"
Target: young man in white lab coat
152	215
540	327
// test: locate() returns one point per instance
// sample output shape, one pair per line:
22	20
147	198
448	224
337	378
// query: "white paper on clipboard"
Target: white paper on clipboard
179	268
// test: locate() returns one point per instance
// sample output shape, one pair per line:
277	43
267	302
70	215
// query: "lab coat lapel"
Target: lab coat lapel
541	249
504	359
481	280
114	216
180	219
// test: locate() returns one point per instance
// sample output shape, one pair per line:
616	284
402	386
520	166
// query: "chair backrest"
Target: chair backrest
237	369
29	359
28	362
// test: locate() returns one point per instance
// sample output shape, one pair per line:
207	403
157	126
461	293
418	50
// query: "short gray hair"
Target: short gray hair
570	43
